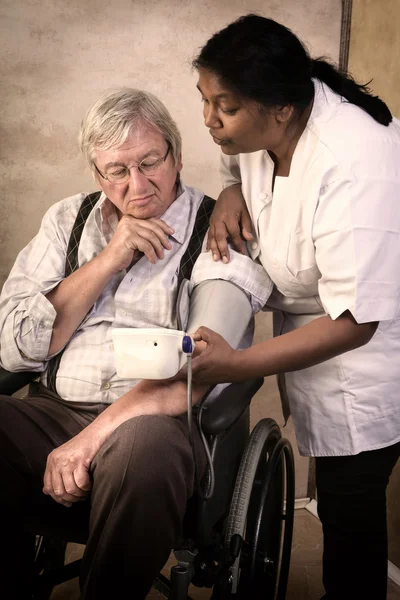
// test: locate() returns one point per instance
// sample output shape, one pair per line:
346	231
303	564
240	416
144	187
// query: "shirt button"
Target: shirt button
105	386
262	196
254	245
123	313
111	346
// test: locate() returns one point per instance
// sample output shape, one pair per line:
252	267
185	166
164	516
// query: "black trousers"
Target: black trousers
351	493
143	476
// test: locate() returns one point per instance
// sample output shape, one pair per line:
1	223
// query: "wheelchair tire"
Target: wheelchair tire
265	479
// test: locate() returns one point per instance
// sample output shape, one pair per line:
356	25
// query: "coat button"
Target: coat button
105	386
262	196
254	245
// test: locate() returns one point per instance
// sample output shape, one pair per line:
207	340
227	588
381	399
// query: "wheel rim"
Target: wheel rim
261	569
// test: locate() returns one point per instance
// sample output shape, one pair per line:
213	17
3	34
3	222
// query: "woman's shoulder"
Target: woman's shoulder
352	138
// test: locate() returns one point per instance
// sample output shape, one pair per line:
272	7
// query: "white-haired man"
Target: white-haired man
110	259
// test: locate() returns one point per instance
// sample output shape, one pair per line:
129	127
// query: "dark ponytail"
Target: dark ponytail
263	60
353	92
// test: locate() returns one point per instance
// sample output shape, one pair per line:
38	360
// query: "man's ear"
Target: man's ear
179	164
283	114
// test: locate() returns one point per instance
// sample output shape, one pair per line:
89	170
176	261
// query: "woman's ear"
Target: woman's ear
283	114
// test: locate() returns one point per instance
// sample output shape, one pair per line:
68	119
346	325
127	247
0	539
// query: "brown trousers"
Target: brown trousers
143	476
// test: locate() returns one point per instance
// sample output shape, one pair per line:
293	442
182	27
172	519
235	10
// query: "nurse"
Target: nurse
311	164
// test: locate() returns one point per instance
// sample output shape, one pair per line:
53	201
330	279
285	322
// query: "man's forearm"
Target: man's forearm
75	296
146	398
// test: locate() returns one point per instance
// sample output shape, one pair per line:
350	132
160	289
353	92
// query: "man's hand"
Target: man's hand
67	479
149	236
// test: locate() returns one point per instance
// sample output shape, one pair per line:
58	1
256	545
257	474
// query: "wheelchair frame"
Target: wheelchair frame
239	541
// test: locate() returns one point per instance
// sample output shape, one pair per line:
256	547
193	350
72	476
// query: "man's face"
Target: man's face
141	196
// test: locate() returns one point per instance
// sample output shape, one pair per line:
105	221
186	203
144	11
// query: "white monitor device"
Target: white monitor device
149	353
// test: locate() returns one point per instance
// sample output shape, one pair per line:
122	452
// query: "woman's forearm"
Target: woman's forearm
74	297
309	345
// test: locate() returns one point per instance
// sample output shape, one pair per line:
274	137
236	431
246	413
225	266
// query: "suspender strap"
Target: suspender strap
71	265
71	262
196	241
185	270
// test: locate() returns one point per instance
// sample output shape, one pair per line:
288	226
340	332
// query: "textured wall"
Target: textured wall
374	54
375	48
58	56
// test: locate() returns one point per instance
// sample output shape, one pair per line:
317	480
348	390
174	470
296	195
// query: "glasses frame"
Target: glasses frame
138	167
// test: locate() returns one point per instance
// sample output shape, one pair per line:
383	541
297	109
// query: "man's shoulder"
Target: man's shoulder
69	205
61	215
59	219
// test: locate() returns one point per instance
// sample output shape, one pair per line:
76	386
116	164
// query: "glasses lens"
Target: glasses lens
150	166
118	176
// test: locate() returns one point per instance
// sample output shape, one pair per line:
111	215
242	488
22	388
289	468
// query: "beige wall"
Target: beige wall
58	56
375	48
374	54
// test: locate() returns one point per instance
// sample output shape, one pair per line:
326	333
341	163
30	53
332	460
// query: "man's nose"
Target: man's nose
137	181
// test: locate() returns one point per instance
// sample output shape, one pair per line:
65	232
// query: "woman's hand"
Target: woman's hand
230	219
218	362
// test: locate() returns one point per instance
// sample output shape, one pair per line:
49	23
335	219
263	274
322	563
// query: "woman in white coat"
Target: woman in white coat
311	165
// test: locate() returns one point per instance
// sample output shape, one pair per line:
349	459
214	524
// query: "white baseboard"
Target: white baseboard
301	503
393	571
312	508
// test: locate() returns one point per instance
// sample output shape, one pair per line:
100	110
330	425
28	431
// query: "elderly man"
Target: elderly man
84	434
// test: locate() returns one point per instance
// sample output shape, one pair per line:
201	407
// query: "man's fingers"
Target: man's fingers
144	237
70	486
55	488
149	250
154	229
47	487
163	225
82	480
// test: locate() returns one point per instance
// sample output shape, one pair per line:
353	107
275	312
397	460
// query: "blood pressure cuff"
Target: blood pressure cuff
219	305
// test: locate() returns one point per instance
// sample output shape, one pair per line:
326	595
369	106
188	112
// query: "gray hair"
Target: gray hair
111	118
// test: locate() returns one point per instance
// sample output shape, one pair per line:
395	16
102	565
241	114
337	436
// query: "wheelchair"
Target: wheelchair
237	542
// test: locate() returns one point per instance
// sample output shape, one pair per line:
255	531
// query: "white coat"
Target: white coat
329	237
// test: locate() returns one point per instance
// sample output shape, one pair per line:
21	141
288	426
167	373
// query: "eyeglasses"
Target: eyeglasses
148	166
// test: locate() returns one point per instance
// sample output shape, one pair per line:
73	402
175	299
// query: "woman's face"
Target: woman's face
237	124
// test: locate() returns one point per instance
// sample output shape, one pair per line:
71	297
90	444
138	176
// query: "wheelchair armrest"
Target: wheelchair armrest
220	412
12	382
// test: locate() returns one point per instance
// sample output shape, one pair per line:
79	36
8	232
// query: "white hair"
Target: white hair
111	118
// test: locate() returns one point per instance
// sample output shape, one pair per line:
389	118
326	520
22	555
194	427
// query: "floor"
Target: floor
305	571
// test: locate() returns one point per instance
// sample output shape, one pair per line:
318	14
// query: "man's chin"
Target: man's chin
140	210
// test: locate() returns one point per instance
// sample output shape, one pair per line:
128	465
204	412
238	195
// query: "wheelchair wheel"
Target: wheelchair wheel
259	529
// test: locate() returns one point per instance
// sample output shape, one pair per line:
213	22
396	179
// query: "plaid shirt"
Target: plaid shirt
143	296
